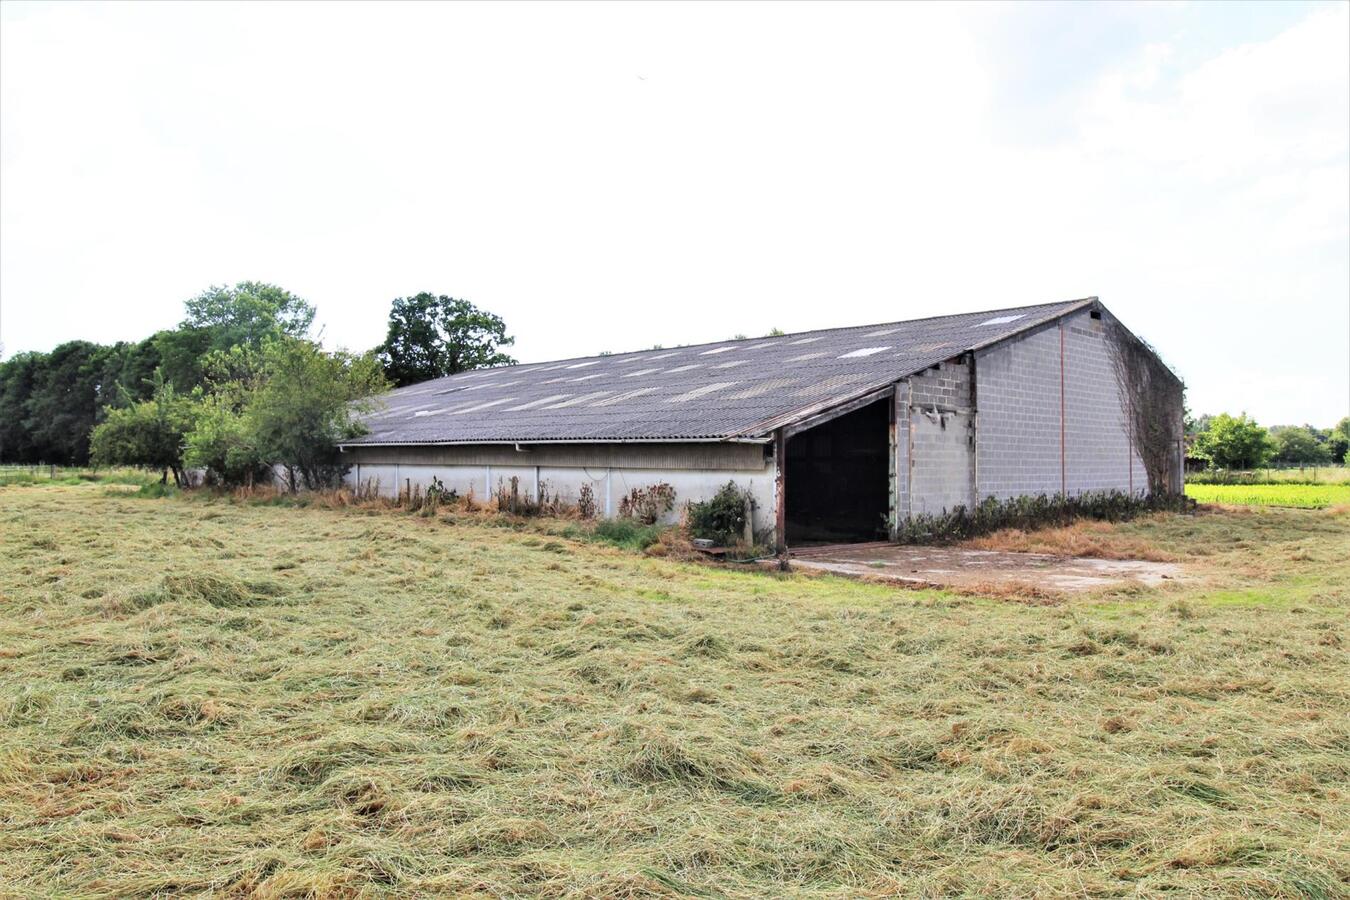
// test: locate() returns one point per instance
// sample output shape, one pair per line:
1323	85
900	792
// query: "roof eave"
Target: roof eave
527	442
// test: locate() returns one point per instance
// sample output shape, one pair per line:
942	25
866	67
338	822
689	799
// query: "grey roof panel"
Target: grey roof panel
686	393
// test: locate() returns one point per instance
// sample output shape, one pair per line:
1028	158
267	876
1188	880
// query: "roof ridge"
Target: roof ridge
789	334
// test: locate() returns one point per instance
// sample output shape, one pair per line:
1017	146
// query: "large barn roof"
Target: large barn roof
728	390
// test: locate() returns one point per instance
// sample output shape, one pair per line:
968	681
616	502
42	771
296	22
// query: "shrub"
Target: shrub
720	519
220	443
149	433
1029	512
308	402
648	504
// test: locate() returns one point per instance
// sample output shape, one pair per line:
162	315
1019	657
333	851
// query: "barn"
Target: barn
836	434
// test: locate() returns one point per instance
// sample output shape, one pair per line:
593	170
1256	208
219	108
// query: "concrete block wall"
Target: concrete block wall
900	471
937	426
946	386
1019	392
1017	440
1098	455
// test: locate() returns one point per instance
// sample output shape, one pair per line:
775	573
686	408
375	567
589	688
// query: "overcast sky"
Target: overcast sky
610	176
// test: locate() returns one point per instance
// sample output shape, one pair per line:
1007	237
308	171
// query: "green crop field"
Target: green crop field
210	697
1303	496
1337	474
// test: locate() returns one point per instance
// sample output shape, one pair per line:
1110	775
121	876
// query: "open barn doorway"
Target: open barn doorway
837	478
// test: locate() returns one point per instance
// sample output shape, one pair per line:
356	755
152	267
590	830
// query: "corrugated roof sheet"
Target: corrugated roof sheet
721	391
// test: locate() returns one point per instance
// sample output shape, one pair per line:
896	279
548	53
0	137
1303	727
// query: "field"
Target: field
53	475
1329	474
1303	496
207	696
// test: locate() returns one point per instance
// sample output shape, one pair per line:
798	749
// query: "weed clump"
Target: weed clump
627	534
648	504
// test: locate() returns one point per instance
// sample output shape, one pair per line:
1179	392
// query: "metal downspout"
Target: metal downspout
1063	465
974	438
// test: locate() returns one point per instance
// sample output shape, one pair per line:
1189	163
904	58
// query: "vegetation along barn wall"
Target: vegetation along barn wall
695	470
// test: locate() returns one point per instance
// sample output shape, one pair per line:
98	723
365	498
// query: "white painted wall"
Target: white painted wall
609	483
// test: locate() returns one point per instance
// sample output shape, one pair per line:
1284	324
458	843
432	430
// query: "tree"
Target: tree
127	373
1299	445
1196	424
432	336
150	433
19	377
50	402
65	402
309	401
1338	441
219	318
222	441
180	353
248	314
136	372
1234	443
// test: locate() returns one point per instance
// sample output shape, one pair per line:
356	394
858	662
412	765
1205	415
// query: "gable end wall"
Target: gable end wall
1023	401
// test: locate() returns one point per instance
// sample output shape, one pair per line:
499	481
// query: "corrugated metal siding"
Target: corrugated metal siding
710	456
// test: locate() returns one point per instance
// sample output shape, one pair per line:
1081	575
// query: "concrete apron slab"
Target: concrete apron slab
962	568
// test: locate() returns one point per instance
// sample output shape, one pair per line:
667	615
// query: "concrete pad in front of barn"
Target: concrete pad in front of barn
964	569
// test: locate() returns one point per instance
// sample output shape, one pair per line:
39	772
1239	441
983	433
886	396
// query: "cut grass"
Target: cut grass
1300	496
206	697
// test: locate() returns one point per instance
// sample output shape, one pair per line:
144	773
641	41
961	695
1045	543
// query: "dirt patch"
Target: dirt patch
970	569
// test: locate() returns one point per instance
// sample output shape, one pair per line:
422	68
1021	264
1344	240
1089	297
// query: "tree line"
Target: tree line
1240	442
237	390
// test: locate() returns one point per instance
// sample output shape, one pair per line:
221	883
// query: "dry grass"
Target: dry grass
1102	540
249	700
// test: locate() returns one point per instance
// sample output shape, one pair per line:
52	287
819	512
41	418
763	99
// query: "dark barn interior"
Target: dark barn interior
838	479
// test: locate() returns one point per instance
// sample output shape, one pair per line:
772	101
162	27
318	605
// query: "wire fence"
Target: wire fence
1322	473
45	470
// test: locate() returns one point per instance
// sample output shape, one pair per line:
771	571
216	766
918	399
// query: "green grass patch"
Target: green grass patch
626	533
1328	474
47	476
1299	496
